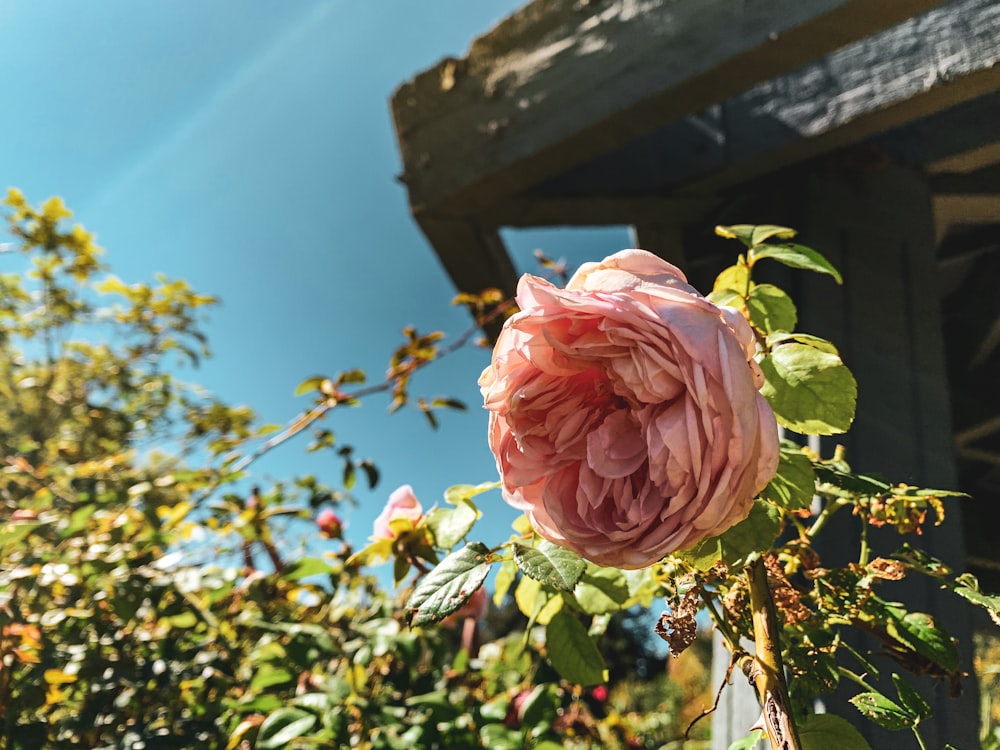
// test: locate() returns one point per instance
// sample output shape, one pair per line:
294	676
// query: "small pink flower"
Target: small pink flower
329	524
625	415
600	693
402	504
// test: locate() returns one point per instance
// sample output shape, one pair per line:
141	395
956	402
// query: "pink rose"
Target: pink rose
625	415
402	504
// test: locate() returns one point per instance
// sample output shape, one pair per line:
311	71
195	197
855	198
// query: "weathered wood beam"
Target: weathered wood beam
561	82
979	182
958	210
474	255
929	63
929	84
541	211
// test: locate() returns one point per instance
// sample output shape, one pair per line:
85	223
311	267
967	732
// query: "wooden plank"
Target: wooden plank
474	255
943	66
943	58
522	211
561	82
876	227
984	181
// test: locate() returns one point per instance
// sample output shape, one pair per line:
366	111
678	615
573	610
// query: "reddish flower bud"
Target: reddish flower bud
329	524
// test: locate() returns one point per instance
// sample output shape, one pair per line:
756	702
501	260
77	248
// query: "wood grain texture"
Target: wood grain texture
563	81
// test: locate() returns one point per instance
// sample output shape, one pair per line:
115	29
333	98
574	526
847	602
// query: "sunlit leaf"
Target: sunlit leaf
459	492
749	742
830	732
794	486
601	590
883	711
735	278
771	309
795	256
536	602
739	544
305	567
450	584
309	384
283	726
572	652
450	525
811	391
557	566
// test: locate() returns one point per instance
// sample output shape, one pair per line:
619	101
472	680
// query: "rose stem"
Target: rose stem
766	671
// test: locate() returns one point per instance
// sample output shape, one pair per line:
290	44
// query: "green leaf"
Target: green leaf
968	588
448	403
886	713
309	384
506	575
811	391
268	677
352	376
734	279
459	492
450	584
572	652
283	726
736	546
918	631
601	590
499	737
796	256
793	487
754	234
830	732
781	337
749	742
727	297
764	232
912	700
771	309
551	564
183	620
450	525
371	473
305	567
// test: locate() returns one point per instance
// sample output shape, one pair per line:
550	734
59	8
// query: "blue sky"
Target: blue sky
247	147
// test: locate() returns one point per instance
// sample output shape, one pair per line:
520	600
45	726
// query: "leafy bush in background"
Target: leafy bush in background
144	603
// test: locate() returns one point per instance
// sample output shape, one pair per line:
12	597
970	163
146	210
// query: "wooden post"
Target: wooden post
876	225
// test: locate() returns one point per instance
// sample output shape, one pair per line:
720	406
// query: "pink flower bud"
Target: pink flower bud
402	504
329	524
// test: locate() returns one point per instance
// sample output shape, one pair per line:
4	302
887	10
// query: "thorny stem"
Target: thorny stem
766	671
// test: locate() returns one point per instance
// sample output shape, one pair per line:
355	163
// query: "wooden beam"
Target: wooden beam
474	255
984	181
946	57
530	211
561	82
